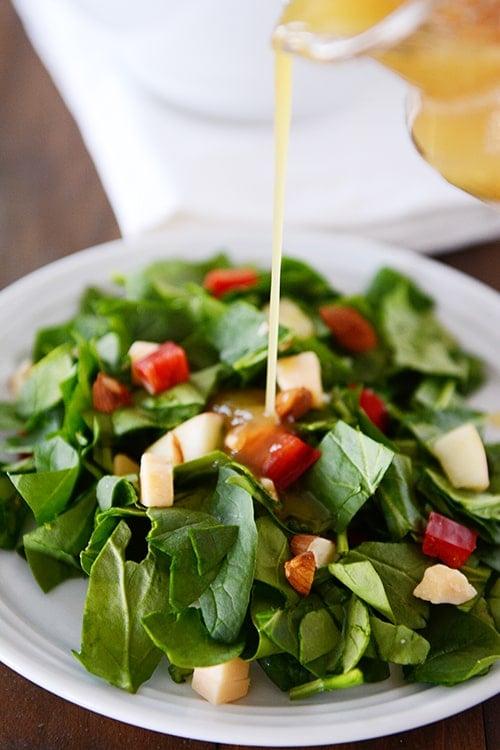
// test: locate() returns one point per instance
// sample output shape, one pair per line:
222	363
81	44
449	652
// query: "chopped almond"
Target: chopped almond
300	572
300	543
109	394
293	403
324	550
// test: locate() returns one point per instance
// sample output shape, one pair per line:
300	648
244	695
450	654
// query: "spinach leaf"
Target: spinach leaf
318	636
42	389
397	498
115	645
49	490
184	638
356	633
9	419
197	544
174	405
53	550
265	601
417	340
461	646
240	337
384	575
115	491
12	514
166	277
398	644
283	628
348	472
104	525
224	603
493	600
272	553
284	670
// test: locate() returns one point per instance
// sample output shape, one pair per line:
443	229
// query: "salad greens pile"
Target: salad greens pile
203	581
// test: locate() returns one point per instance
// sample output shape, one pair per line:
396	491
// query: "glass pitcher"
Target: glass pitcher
449	53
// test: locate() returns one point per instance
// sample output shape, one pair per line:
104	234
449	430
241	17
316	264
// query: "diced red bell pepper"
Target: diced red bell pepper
165	367
289	457
448	540
272	451
352	331
109	394
220	281
375	408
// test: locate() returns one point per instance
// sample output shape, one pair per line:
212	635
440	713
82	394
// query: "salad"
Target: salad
354	532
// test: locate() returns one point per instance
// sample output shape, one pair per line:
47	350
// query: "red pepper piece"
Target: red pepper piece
109	394
289	457
352	331
375	408
165	367
448	540
220	281
272	451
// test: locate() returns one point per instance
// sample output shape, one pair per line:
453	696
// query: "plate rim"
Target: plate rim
118	705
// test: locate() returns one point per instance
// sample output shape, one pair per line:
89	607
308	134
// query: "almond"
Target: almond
300	572
300	543
324	550
293	403
354	332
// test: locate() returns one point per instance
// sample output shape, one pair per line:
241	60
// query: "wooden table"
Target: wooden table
51	205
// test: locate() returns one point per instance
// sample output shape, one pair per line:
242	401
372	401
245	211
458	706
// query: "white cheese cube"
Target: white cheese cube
199	435
292	317
444	585
302	371
156	481
123	465
168	448
222	683
463	458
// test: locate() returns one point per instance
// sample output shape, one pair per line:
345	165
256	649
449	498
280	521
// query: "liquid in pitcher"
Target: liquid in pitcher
451	58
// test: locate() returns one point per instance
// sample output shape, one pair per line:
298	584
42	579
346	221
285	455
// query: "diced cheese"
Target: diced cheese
156	481
168	448
200	435
302	370
123	465
222	683
444	585
462	455
292	317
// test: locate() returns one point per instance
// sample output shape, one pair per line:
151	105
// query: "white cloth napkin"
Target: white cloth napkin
352	169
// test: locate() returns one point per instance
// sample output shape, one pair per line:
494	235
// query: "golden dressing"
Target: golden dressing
283	99
452	60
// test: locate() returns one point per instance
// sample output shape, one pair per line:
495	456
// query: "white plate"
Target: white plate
37	631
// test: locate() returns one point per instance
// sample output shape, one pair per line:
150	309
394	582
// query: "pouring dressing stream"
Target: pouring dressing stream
449	54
